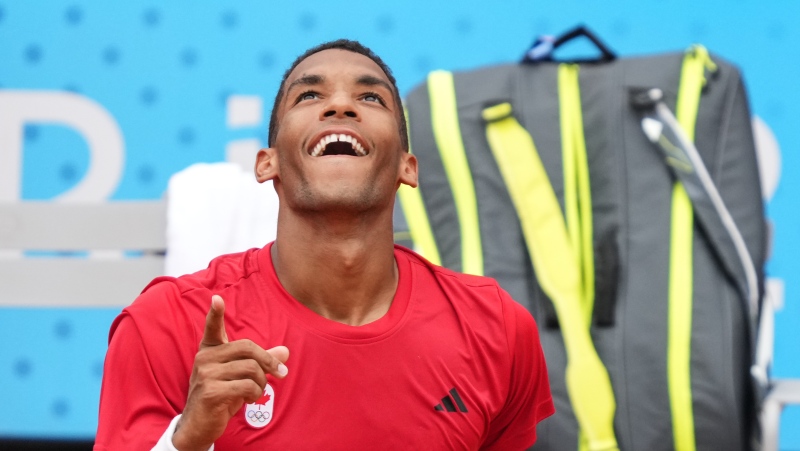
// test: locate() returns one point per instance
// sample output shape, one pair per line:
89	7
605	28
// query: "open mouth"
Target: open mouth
338	144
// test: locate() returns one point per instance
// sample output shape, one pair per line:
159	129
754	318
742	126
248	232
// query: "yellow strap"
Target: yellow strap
567	112
417	218
577	188
548	244
681	265
447	133
418	224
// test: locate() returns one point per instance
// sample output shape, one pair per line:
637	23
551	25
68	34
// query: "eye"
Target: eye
308	95
373	97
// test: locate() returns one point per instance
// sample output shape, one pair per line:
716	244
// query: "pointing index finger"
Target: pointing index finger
214	333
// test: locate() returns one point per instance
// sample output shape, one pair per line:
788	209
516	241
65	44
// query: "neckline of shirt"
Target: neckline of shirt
377	330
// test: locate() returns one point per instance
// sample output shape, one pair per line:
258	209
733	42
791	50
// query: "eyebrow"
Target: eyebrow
369	80
313	80
306	80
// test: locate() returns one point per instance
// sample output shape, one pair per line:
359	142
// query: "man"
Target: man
388	351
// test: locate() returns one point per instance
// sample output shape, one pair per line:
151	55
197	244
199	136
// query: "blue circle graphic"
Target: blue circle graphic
33	54
73	15
151	17
63	328
23	367
60	407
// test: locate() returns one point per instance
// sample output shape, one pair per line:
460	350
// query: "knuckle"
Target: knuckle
256	373
205	355
203	372
250	345
252	368
206	393
201	356
241	348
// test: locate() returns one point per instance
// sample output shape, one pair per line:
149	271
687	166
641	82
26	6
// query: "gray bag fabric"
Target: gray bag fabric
631	189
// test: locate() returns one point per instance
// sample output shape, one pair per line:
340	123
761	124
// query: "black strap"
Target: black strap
543	47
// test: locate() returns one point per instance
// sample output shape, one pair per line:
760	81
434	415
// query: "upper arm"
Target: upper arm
145	376
133	410
529	400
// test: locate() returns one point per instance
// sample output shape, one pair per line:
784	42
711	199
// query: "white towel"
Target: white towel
215	209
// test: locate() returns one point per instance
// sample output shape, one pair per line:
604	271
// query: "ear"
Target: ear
266	165
408	169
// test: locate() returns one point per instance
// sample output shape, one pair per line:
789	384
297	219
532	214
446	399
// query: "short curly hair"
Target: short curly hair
350	46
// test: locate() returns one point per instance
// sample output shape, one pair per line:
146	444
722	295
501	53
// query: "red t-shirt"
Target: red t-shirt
454	364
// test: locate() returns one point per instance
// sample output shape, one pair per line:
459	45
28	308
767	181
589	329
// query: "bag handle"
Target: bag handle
542	49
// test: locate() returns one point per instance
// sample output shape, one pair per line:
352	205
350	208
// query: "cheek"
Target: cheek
286	163
389	133
291	123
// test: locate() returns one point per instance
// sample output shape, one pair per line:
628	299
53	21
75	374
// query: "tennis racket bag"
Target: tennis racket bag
618	200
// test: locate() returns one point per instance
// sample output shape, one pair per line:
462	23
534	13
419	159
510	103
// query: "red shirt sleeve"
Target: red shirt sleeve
529	400
141	393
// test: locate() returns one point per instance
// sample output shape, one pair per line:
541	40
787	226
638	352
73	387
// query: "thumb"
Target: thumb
214	333
280	352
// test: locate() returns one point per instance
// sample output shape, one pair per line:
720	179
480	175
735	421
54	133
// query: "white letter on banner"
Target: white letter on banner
85	116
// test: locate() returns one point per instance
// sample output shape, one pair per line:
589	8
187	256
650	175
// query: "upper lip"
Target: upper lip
337	131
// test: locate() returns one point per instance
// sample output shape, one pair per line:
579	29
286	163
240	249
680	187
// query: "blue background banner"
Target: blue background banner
156	79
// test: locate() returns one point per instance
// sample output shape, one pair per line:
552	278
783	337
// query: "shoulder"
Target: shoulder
170	302
479	297
221	273
442	273
463	286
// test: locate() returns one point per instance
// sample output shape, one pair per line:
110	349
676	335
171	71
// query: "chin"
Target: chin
343	201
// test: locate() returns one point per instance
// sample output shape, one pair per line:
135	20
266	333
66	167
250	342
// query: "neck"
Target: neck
340	266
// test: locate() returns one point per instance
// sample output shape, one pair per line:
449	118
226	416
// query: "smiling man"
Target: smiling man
388	350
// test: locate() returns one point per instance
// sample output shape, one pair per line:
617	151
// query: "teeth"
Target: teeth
359	150
319	149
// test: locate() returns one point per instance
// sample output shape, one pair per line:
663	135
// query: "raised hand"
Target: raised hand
225	376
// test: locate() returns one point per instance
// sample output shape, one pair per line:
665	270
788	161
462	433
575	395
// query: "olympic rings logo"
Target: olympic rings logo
257	415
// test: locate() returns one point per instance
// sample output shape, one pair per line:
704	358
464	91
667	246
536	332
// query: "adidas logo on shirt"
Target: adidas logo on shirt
447	403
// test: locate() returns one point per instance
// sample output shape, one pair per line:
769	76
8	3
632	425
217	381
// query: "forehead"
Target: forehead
335	65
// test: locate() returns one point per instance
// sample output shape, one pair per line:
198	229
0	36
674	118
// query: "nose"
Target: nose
340	105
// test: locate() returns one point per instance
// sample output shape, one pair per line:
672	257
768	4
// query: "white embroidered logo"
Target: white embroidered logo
259	413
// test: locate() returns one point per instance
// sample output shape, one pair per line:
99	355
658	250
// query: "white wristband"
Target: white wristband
165	442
